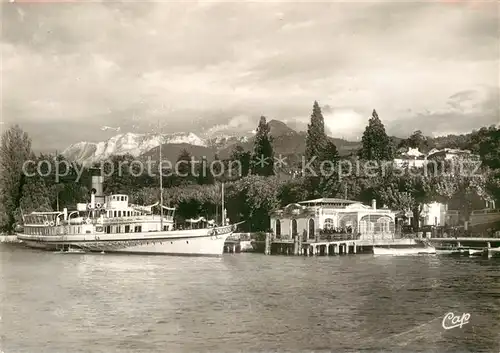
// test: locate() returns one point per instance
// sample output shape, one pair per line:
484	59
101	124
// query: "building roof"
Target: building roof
449	151
328	200
413	152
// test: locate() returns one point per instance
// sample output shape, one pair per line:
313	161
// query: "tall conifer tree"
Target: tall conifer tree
316	138
376	144
263	155
318	146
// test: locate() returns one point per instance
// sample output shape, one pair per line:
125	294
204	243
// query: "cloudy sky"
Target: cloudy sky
215	67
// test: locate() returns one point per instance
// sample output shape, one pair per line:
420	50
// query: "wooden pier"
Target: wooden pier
343	244
468	241
312	247
238	242
349	245
323	248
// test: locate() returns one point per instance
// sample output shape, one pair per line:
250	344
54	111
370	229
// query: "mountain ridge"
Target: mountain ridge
286	141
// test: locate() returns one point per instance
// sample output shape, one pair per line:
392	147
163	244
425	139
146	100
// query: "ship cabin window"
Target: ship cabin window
114	213
119	213
117	229
127	229
138	229
108	229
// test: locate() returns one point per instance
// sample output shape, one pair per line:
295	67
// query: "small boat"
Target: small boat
494	252
420	248
448	251
475	252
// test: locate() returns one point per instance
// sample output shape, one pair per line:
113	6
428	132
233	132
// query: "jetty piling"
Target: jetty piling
297	246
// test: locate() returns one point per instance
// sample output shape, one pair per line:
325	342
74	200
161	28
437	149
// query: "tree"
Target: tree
205	176
376	144
330	152
121	175
15	150
252	199
243	158
406	189
292	191
321	155
462	183
263	155
316	139
184	169
486	143
35	196
416	140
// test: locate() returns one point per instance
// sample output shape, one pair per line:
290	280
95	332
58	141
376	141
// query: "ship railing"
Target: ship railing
137	218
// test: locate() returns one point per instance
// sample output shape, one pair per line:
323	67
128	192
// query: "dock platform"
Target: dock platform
343	245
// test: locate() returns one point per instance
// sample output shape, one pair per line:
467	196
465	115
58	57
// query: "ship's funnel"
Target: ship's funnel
97	186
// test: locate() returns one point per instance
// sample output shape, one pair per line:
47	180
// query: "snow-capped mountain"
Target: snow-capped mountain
138	144
223	141
128	143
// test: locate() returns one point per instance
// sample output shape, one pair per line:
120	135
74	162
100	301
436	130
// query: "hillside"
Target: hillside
289	142
171	151
286	142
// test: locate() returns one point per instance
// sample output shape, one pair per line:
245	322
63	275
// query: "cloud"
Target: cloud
195	66
462	112
237	125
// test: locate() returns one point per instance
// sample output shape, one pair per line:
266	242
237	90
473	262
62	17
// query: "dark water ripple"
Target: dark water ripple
245	303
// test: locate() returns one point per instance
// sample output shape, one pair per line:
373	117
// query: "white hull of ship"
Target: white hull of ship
403	251
195	242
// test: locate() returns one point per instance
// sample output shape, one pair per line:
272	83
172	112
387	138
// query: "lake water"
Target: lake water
58	303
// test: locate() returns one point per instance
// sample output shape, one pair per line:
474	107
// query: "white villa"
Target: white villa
414	158
450	153
309	218
433	214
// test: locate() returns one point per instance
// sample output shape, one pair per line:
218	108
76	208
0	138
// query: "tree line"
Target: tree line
261	185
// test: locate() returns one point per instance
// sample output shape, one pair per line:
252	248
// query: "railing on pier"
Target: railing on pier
317	237
337	237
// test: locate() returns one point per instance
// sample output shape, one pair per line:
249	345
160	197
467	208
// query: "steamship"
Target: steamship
112	224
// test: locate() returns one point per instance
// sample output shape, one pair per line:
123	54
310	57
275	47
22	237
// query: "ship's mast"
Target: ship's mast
223	209
161	178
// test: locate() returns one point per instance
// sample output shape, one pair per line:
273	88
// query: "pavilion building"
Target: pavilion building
310	218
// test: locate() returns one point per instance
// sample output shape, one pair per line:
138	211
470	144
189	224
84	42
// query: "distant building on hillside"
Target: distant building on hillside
414	158
411	158
450	153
